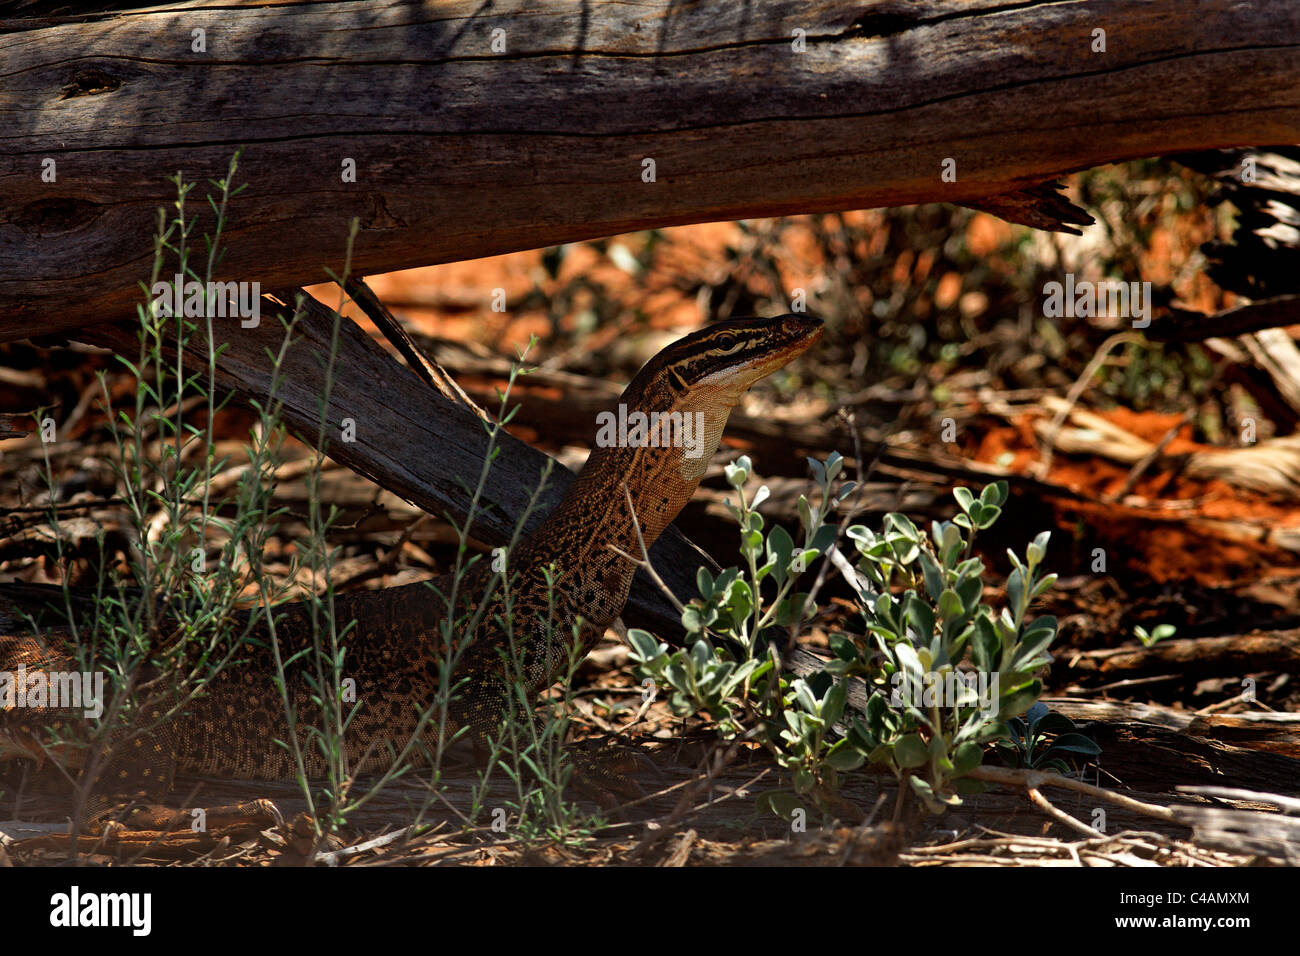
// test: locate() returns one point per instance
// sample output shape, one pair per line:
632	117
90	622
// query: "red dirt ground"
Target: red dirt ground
1166	544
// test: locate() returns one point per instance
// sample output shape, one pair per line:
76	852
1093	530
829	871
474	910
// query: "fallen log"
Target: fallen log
1147	757
1195	657
1272	732
1277	733
1270	834
453	130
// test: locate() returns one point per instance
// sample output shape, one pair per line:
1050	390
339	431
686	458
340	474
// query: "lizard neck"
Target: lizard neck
653	449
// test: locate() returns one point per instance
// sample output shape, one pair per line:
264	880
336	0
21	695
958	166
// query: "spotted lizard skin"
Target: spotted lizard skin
395	651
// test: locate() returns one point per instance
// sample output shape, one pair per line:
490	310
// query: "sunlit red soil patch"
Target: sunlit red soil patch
1169	527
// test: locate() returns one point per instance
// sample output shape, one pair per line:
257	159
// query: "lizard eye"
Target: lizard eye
727	343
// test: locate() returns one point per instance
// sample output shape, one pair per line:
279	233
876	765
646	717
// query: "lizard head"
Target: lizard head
672	414
721	362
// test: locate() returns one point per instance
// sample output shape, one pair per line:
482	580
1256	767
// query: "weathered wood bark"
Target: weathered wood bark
1243	831
1277	733
1148	756
1195	657
480	129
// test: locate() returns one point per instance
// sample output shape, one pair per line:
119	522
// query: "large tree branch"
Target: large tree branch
481	128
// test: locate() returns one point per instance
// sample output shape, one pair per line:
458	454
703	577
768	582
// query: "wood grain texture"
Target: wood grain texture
462	151
1197	657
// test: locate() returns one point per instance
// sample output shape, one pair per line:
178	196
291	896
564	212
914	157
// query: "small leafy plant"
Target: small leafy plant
945	668
731	672
955	668
1156	635
1040	739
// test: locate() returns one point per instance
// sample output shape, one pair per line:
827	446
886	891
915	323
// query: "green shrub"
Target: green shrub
944	668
